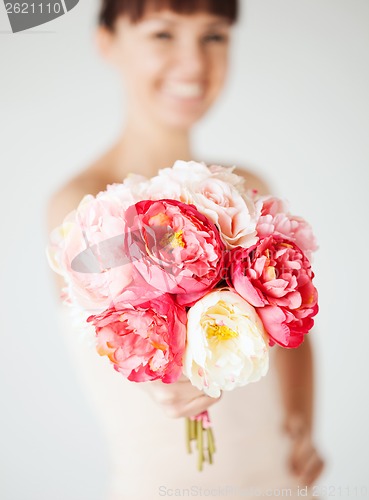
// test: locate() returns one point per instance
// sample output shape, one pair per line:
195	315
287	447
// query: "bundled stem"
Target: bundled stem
196	430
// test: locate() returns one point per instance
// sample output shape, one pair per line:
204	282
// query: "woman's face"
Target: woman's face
174	65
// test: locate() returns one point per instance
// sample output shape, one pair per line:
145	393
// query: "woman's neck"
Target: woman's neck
144	149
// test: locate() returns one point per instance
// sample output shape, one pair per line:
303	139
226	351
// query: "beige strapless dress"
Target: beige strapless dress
148	454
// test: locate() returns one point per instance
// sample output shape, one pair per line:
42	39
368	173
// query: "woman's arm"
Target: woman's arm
296	377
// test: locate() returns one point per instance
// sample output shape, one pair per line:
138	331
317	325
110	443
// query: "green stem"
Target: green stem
188	435
211	443
200	445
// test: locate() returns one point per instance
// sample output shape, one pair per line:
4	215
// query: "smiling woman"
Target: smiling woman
172	56
174	62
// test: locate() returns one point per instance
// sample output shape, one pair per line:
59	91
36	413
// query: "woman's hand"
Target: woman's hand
180	399
304	460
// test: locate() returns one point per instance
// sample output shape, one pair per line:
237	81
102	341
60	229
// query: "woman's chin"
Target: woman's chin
182	112
182	120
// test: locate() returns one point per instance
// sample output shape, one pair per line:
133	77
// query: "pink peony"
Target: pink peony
87	250
275	219
276	277
174	247
136	292
145	342
236	215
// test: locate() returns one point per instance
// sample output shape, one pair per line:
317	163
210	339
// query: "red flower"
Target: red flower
144	342
276	278
175	248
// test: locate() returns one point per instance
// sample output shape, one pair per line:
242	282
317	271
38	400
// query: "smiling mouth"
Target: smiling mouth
184	90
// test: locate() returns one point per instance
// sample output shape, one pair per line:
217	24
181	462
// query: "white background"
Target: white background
296	110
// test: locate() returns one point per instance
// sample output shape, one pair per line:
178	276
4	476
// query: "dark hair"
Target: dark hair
135	9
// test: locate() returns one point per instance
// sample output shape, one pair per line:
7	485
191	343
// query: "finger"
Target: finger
187	392
198	405
312	469
301	452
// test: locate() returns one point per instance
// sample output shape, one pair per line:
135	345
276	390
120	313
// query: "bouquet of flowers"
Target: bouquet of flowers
188	272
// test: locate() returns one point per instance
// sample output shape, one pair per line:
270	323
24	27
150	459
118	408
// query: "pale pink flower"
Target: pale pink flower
87	250
226	174
275	219
217	193
235	215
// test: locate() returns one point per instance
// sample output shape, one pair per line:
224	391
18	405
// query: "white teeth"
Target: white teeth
181	90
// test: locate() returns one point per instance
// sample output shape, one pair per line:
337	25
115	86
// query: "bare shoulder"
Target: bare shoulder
67	198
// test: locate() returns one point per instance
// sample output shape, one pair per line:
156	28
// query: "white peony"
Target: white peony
227	346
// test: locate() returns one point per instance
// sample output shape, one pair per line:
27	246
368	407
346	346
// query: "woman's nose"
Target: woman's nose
191	59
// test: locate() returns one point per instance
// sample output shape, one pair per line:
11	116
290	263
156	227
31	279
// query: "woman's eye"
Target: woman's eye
215	37
163	35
